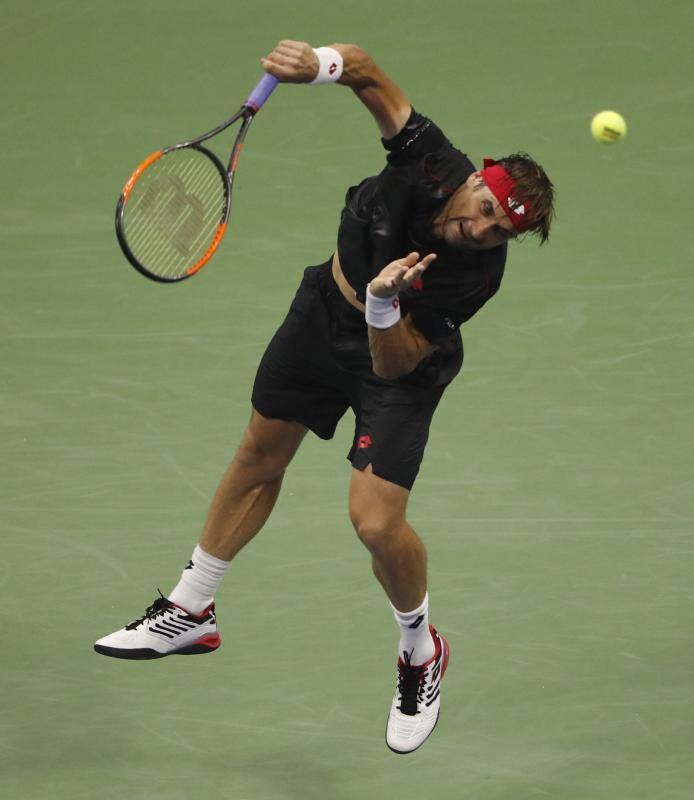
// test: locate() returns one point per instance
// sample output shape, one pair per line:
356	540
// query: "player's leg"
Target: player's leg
297	388
398	556
241	505
185	622
251	485
391	432
377	510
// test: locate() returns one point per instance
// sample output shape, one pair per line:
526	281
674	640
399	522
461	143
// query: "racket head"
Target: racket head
173	212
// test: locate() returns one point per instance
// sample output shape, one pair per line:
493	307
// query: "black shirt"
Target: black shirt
391	214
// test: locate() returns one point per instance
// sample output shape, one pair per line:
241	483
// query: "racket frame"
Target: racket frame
247	114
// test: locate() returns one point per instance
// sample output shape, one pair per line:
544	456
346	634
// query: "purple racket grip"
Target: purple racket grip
262	91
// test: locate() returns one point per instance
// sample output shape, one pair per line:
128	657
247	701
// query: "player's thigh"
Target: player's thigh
376	506
269	445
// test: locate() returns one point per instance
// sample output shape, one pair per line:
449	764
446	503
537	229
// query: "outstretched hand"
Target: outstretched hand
399	275
292	62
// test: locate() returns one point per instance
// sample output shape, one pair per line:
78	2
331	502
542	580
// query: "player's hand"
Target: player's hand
399	275
292	62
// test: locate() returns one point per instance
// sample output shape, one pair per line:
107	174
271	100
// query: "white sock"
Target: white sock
199	581
415	637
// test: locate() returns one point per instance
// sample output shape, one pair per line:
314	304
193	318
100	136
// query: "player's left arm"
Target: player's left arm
398	349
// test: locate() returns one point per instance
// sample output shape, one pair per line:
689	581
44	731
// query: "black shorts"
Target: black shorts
317	365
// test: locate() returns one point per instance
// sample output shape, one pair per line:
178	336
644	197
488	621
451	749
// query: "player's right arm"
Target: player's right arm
295	62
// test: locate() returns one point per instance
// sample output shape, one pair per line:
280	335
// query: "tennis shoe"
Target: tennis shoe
165	629
417	702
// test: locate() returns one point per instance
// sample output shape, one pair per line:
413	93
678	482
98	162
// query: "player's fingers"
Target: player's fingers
292	64
280	59
290	43
410	259
394	279
289	53
410	277
397	275
280	71
427	260
274	69
422	265
291	47
416	272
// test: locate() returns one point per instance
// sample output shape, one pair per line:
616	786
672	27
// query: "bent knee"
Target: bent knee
377	531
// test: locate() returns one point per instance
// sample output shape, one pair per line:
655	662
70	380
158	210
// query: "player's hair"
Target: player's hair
535	188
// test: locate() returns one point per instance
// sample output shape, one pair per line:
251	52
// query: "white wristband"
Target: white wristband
381	312
329	66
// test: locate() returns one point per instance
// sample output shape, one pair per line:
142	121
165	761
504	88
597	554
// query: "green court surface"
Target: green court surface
556	495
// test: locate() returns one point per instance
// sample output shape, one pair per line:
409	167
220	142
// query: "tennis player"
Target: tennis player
375	328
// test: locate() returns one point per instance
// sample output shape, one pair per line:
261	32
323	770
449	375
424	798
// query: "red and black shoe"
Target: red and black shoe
165	629
417	702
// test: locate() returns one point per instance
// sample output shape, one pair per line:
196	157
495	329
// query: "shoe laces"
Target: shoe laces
410	684
159	606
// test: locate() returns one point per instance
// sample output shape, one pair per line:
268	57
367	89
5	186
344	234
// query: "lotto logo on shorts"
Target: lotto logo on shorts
363	442
333	68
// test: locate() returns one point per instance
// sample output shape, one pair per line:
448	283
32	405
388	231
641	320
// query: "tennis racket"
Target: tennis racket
174	209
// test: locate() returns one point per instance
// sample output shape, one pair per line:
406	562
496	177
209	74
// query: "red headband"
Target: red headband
503	187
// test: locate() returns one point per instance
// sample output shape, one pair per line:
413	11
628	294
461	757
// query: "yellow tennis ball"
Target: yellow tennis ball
608	127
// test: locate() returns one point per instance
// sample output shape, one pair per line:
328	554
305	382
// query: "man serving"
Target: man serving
421	248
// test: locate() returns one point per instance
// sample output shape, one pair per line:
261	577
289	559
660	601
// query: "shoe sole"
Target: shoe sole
206	644
446	654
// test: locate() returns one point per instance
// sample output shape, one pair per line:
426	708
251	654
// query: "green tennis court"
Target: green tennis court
556	498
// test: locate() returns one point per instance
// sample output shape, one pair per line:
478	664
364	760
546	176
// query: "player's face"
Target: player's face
473	219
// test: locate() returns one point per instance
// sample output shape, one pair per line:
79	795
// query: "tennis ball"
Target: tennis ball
608	127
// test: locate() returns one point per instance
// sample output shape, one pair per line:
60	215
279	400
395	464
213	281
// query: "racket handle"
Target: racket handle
261	92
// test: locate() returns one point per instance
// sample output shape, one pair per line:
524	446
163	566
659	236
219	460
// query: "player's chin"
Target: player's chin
459	241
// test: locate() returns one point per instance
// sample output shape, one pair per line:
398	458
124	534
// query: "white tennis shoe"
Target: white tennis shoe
165	629
417	702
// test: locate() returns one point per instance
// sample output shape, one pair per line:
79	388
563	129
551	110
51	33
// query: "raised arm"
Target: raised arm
295	62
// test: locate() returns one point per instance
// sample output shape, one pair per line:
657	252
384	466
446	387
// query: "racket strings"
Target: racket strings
170	219
171	207
173	212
